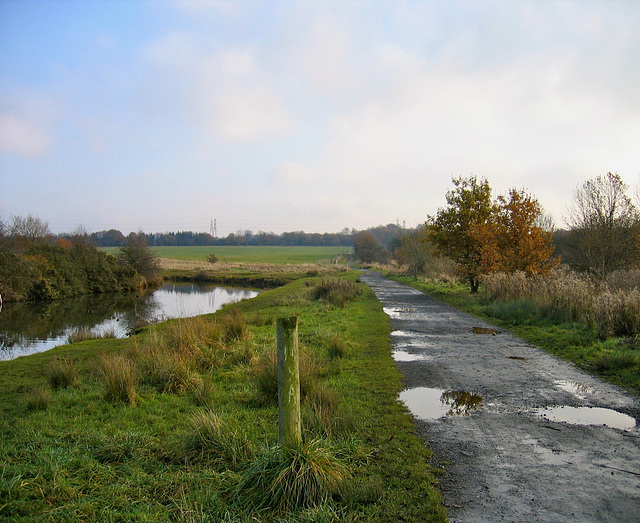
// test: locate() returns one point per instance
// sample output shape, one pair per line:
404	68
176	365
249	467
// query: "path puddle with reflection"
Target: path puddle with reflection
430	404
403	334
403	355
588	416
574	387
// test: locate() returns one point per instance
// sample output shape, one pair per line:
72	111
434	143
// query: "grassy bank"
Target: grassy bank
170	424
556	325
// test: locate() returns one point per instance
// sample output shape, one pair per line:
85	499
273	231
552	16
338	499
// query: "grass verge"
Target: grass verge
182	436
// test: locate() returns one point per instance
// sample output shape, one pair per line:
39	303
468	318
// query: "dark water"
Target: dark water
30	327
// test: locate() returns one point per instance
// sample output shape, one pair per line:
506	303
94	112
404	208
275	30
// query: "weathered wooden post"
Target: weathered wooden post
290	427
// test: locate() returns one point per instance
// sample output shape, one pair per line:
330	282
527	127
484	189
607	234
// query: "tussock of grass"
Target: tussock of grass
337	348
609	361
61	373
336	291
265	372
235	326
118	375
38	399
84	334
216	441
284	479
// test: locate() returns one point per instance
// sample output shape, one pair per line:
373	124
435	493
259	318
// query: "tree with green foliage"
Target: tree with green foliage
135	253
469	205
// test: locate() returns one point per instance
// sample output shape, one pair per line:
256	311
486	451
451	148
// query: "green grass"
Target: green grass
180	453
616	360
249	254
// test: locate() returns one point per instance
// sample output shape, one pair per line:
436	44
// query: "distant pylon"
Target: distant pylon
214	229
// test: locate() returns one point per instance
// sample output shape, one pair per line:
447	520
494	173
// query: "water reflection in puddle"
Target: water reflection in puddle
588	416
403	355
398	312
574	387
403	334
430	404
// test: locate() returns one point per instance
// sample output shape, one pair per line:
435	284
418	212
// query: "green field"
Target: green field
249	254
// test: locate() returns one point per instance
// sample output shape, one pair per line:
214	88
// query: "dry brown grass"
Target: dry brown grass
612	306
258	268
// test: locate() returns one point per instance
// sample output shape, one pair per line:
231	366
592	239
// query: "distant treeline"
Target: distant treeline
114	238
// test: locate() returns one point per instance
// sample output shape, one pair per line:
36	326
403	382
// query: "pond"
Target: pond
31	327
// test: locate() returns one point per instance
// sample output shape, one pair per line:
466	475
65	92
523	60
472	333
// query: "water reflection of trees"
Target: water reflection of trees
460	403
40	320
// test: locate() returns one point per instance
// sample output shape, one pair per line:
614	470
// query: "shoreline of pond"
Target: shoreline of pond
29	327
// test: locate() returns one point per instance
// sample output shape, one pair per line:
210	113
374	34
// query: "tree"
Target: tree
469	206
367	249
605	227
135	253
30	228
514	238
414	250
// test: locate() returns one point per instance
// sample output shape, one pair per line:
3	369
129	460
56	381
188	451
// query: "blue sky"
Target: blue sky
279	116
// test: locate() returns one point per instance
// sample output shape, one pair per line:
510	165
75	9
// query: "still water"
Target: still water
30	327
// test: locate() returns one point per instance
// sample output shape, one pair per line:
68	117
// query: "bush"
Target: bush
62	372
118	376
291	478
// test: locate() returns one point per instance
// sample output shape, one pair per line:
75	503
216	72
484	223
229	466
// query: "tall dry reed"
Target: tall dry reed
612	306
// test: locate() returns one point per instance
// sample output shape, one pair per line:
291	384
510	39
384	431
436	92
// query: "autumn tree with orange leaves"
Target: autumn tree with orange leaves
483	236
512	240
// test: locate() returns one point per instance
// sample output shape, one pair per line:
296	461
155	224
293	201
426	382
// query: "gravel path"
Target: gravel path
480	402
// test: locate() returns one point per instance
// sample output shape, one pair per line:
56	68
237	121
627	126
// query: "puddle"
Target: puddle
403	355
398	312
403	334
573	387
588	416
430	404
545	455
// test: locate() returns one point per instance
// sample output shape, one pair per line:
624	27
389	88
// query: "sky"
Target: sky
275	116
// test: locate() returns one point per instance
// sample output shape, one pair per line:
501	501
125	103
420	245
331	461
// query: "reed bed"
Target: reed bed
612	306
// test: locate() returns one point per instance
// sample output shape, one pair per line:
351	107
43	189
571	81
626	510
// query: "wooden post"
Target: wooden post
290	427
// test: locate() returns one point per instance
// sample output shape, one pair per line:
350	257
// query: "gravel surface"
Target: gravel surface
480	401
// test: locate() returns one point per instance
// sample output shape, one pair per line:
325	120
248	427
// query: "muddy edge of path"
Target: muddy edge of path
503	460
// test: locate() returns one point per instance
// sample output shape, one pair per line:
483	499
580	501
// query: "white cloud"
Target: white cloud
22	137
224	89
293	174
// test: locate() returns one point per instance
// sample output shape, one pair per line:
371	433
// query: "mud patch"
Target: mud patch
431	404
484	330
588	416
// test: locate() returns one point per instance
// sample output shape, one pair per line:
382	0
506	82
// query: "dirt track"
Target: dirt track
504	461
